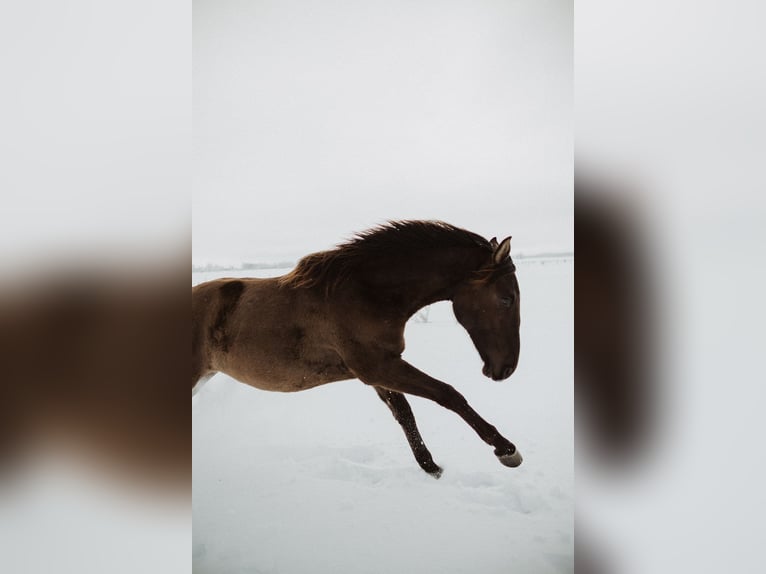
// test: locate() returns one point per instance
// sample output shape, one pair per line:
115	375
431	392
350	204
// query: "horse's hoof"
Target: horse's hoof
512	460
432	469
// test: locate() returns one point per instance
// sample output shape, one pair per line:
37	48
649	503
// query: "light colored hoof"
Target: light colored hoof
512	460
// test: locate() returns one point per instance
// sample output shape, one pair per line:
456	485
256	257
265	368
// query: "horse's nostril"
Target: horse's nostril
508	372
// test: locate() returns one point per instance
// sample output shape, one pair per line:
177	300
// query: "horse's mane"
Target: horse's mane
395	238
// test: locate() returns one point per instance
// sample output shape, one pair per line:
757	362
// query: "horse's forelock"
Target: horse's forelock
493	271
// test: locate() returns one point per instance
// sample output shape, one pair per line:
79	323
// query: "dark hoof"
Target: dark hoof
512	459
433	469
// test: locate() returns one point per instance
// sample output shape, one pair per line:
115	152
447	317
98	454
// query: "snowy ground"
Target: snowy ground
323	481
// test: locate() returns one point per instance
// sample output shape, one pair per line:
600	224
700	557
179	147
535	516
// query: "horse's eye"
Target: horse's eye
506	301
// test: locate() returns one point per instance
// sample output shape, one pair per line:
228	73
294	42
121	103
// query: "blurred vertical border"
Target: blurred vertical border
95	453
670	226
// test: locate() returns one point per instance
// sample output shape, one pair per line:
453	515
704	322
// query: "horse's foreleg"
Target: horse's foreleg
398	375
402	412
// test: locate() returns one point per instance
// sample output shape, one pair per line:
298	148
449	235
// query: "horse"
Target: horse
340	314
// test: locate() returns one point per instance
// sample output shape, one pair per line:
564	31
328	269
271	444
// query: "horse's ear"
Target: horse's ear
502	251
493	242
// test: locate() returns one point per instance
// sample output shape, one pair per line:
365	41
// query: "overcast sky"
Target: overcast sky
314	120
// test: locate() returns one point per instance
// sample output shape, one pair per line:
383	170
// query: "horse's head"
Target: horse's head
487	306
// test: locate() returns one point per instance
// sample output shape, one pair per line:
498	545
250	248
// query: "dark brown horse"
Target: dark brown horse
341	314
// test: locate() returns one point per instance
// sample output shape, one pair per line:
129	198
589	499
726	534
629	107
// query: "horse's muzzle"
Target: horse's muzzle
499	375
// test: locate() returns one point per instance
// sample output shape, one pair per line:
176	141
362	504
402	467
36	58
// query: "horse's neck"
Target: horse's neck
435	279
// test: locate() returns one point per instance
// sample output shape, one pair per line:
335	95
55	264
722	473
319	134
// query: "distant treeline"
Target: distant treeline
246	265
290	264
551	255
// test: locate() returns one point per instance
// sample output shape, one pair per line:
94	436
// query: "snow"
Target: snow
323	481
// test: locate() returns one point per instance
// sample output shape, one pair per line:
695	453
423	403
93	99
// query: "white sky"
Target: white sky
315	120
